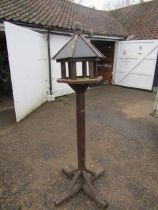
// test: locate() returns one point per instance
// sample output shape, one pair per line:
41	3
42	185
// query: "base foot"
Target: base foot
81	180
66	195
69	171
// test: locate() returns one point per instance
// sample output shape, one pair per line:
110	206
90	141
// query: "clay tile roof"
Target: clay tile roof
140	20
60	14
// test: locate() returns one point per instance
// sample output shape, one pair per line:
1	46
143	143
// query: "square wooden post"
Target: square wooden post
72	70
63	70
84	69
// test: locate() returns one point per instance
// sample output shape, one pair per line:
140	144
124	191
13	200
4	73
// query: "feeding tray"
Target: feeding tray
81	80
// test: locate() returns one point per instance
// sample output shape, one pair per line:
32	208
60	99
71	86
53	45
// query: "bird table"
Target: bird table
78	49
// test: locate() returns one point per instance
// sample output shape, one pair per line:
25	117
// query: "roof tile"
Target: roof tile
140	20
60	14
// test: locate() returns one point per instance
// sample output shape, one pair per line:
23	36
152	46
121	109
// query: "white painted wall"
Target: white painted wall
56	43
28	60
135	63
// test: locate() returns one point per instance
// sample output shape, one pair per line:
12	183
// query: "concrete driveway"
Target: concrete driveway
121	136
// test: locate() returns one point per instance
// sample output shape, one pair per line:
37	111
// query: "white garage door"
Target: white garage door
27	51
135	63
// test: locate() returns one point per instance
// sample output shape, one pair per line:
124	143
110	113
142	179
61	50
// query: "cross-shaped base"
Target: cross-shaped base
81	180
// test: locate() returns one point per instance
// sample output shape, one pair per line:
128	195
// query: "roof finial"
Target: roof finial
77	27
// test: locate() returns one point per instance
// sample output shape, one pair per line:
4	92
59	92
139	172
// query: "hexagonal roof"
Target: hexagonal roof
78	48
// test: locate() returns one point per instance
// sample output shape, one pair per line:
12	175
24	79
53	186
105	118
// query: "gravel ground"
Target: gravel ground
121	136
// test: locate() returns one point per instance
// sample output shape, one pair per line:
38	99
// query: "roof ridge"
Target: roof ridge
75	38
63	47
93	48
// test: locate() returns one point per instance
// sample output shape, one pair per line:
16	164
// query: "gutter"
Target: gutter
62	31
49	63
112	39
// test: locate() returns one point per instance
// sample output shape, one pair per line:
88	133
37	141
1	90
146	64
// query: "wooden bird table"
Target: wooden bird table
81	178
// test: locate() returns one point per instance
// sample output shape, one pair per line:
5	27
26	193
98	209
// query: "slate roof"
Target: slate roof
60	14
78	47
140	20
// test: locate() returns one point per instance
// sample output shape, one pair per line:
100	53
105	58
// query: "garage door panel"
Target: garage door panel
136	47
153	53
135	63
27	52
118	76
138	81
125	64
147	66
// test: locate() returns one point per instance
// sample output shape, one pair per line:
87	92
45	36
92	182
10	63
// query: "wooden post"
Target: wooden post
91	70
63	70
84	69
72	70
69	69
80	113
95	69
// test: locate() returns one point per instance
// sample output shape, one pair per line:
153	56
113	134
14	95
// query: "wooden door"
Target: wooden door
135	63
28	59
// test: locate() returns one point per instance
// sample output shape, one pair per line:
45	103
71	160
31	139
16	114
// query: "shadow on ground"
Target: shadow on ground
121	136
